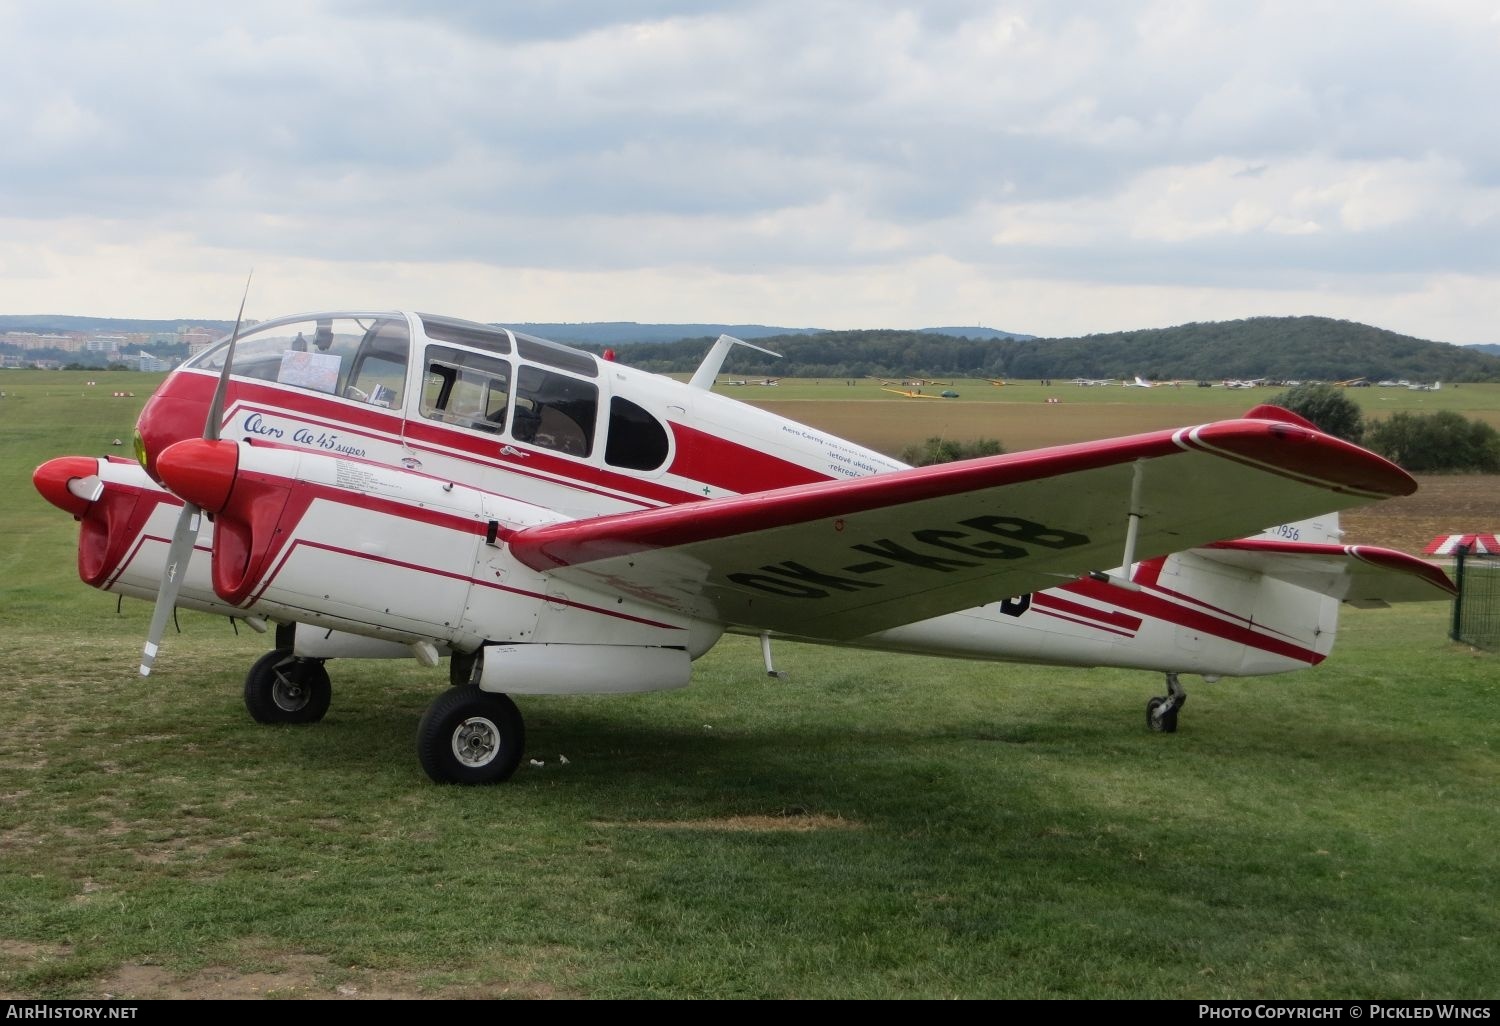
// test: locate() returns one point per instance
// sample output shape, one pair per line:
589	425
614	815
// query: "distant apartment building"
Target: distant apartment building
36	340
146	362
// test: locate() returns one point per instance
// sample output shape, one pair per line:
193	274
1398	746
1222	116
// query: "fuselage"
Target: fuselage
417	443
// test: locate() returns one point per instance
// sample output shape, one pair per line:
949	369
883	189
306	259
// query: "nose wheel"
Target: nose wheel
1161	712
281	688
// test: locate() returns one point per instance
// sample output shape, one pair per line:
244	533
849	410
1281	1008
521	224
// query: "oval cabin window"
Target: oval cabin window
637	440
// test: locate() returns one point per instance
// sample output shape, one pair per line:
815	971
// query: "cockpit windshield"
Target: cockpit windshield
360	358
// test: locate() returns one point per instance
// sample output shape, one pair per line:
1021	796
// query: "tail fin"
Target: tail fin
1233	618
1278	594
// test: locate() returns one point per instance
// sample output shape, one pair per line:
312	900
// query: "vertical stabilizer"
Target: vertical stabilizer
708	370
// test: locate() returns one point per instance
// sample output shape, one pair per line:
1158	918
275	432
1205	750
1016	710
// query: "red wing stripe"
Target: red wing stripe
1329	463
1373	555
1308	466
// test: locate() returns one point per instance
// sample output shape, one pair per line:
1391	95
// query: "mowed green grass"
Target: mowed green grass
1473	399
1028	415
869	826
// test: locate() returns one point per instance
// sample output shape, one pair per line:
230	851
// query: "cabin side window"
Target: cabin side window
466	389
555	411
637	441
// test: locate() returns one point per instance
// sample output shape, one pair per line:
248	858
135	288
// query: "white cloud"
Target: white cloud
812	162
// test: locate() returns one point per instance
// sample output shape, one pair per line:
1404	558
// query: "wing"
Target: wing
1361	575
844	558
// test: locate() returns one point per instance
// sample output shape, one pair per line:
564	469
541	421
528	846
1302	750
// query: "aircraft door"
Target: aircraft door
466	389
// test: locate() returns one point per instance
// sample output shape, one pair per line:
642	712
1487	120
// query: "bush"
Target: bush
945	450
1327	406
1425	442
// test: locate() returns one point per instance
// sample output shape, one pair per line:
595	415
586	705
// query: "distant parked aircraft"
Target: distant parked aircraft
919	394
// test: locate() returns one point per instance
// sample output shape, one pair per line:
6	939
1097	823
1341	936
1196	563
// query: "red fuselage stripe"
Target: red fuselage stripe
1159	608
1108	619
451	575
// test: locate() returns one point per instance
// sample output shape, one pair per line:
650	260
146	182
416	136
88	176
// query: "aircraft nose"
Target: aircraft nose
201	471
71	483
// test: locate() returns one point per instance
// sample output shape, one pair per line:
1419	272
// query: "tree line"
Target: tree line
1281	348
1418	442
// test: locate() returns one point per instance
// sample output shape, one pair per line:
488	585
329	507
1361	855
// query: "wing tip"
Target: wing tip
1296	449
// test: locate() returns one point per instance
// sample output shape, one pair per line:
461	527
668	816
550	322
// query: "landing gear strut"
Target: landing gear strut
1161	712
282	688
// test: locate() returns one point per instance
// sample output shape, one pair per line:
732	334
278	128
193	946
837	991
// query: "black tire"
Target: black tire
1164	724
469	736
280	688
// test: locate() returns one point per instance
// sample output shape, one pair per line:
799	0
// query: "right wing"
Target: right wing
842	559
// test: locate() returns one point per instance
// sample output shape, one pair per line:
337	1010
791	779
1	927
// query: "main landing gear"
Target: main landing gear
282	688
467	736
1161	712
470	736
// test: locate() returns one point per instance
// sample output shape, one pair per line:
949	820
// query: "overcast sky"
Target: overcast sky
1052	167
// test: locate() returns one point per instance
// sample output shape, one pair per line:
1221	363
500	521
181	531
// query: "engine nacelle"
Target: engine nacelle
125	523
388	553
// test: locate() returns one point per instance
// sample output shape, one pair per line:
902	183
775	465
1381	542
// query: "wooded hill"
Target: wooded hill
1283	348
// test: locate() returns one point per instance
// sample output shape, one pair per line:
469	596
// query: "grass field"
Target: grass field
1020	416
868	827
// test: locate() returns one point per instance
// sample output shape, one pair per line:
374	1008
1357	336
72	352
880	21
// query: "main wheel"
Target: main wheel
1163	724
469	736
280	688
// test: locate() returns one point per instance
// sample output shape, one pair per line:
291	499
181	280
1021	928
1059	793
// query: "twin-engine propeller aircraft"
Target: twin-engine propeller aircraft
382	485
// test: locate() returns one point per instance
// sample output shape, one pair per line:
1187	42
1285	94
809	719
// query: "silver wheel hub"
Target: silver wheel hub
476	741
288	694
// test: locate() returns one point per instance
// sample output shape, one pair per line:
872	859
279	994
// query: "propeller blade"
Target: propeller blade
216	407
178	554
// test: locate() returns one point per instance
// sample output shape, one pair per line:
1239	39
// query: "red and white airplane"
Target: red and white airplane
392	484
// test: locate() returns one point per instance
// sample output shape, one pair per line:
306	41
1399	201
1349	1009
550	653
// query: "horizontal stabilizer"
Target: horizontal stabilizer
1361	575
